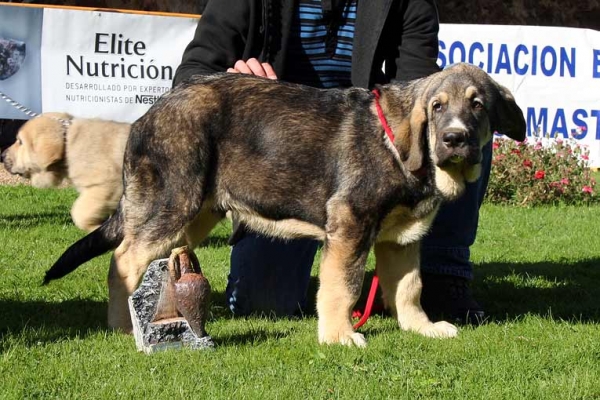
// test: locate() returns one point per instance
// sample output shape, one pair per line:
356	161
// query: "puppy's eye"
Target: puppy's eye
477	104
437	106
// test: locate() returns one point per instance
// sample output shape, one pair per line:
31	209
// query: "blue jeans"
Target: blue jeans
445	250
269	275
272	275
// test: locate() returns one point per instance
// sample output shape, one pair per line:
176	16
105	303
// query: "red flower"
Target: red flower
539	174
564	181
516	151
495	145
587	189
556	185
527	163
585	157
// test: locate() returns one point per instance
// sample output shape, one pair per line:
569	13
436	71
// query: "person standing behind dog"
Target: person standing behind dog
333	43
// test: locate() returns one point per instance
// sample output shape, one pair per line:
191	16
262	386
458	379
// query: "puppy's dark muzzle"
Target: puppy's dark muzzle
454	139
457	146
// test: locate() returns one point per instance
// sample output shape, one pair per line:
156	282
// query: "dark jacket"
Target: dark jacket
401	33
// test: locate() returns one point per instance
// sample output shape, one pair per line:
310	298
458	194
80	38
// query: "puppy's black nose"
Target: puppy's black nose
454	139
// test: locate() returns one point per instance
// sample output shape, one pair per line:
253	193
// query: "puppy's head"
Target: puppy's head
39	149
459	109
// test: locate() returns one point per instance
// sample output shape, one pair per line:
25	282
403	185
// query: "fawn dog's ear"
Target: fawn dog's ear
406	112
47	141
505	115
410	138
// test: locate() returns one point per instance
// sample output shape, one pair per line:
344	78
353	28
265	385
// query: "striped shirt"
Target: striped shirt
315	56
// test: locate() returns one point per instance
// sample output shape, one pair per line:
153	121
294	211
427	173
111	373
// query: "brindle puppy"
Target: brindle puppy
295	161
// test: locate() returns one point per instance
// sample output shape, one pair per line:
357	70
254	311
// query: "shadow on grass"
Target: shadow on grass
568	291
215	241
250	336
24	220
39	321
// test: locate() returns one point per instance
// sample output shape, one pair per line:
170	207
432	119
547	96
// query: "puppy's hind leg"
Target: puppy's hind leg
398	270
152	230
127	265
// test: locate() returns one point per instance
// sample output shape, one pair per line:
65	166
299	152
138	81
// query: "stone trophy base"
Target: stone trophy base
163	334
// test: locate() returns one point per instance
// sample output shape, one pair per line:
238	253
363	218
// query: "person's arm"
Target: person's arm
219	41
418	48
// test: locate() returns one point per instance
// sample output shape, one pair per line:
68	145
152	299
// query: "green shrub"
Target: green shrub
541	171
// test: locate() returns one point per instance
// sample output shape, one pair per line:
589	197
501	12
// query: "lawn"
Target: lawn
537	272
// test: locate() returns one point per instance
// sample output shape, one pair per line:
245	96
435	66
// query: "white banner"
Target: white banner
115	65
109	65
553	72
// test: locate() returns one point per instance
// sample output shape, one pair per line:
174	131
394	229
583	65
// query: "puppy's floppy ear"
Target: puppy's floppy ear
506	117
48	149
49	154
411	138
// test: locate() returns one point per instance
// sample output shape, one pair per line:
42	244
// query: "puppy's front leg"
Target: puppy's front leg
94	206
400	279
341	274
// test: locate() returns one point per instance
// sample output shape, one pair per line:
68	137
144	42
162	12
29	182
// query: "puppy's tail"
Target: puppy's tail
107	237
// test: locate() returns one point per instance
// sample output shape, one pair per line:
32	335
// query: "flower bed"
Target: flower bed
541	171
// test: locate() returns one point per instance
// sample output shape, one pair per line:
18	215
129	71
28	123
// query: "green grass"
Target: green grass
537	272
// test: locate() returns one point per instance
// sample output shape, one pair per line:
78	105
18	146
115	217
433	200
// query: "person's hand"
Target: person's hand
253	67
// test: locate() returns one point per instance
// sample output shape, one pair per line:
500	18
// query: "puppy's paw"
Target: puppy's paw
349	339
441	329
355	339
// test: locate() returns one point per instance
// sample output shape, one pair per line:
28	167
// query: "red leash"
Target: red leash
375	282
382	119
370	300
